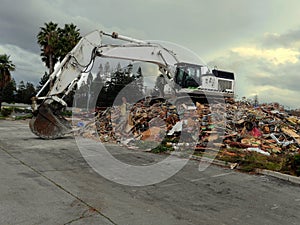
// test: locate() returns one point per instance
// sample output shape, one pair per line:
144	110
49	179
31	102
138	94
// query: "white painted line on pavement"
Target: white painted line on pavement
222	174
217	175
195	180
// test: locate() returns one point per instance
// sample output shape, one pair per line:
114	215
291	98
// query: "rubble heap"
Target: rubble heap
142	121
267	129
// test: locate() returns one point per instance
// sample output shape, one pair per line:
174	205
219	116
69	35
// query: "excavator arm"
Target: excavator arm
47	121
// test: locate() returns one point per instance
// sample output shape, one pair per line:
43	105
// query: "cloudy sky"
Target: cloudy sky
258	40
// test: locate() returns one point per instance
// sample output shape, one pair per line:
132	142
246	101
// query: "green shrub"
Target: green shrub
22	110
27	116
295	164
6	111
163	146
67	113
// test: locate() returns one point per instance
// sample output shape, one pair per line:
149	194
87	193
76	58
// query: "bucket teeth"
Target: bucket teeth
47	124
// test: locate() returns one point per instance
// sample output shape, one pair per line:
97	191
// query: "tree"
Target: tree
43	81
119	80
100	72
81	95
20	92
29	92
25	92
56	42
89	82
97	82
106	69
48	39
139	81
6	66
9	92
119	67
68	38
96	88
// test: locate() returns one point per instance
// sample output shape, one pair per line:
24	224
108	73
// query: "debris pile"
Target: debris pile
267	129
139	122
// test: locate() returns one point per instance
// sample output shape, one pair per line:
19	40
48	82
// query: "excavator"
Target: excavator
49	123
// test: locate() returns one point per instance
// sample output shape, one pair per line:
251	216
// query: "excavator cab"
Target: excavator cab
193	76
202	84
188	75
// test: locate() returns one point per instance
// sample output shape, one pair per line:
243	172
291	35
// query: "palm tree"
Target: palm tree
6	66
68	38
48	39
56	42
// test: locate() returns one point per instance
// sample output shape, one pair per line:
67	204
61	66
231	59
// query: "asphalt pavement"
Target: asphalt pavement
49	182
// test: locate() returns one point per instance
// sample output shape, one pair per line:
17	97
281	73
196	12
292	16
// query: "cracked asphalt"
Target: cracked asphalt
49	182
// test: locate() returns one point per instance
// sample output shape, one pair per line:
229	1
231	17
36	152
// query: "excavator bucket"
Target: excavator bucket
49	124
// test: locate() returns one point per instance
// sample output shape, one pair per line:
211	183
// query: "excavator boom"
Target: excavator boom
48	122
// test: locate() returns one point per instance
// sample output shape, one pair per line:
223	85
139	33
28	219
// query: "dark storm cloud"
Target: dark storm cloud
205	27
283	77
19	24
284	40
199	25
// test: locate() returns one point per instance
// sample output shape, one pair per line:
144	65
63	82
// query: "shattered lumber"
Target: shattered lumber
267	129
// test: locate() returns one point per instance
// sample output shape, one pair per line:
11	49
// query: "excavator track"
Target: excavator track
49	124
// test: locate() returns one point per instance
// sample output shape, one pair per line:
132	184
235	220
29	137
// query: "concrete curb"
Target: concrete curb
281	176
